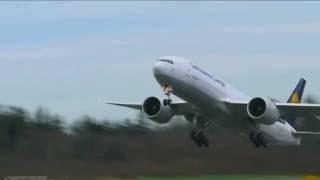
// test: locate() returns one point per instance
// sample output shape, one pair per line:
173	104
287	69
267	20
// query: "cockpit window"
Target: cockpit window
166	60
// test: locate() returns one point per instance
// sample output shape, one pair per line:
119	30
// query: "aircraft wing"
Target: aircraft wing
286	109
128	105
299	110
306	133
181	108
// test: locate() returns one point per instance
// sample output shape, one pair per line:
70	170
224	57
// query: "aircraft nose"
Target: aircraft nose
160	72
158	69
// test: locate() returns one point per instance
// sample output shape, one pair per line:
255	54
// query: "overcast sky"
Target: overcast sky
66	55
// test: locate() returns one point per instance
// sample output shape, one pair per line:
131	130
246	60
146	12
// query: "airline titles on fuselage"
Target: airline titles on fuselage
208	75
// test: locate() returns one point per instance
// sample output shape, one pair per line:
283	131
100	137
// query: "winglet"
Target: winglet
296	97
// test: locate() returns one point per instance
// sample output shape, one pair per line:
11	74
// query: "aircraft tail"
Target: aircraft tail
296	97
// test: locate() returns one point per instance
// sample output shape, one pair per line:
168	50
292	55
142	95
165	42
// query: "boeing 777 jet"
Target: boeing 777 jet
207	98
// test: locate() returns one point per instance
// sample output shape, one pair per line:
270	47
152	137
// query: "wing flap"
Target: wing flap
236	106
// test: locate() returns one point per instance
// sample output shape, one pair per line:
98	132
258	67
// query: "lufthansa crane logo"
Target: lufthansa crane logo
295	98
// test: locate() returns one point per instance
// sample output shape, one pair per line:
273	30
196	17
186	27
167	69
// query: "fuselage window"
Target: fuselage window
166	60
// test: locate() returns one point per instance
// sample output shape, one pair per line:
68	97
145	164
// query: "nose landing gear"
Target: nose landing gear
167	102
198	136
167	89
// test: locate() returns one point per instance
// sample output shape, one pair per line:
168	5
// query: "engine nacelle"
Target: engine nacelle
154	109
263	111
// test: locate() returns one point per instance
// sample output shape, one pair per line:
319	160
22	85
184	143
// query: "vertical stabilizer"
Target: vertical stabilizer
296	97
297	93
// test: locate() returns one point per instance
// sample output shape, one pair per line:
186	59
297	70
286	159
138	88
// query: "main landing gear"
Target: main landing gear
198	136
167	91
255	135
258	139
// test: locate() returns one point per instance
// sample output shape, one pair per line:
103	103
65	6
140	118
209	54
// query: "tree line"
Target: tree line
42	143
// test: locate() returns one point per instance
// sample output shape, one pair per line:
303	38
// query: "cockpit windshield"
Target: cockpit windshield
166	60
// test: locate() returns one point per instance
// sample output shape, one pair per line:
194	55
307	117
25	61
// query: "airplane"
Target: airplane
207	99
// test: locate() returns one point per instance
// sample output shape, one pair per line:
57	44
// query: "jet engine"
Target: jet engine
263	110
154	109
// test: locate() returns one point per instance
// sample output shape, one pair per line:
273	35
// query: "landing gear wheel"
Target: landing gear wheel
199	138
195	139
167	89
258	139
261	140
167	102
203	139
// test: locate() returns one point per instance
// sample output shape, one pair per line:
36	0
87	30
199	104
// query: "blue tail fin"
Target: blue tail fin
296	97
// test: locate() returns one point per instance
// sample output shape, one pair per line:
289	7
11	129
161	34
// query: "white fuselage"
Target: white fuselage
208	93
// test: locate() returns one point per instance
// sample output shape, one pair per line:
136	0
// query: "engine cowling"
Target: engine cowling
154	109
263	110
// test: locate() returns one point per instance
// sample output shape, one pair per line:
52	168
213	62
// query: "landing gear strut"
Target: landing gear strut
258	139
167	91
198	137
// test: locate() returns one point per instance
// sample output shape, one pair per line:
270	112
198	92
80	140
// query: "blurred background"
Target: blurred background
41	142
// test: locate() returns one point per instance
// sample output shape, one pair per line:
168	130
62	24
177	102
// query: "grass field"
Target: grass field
229	177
